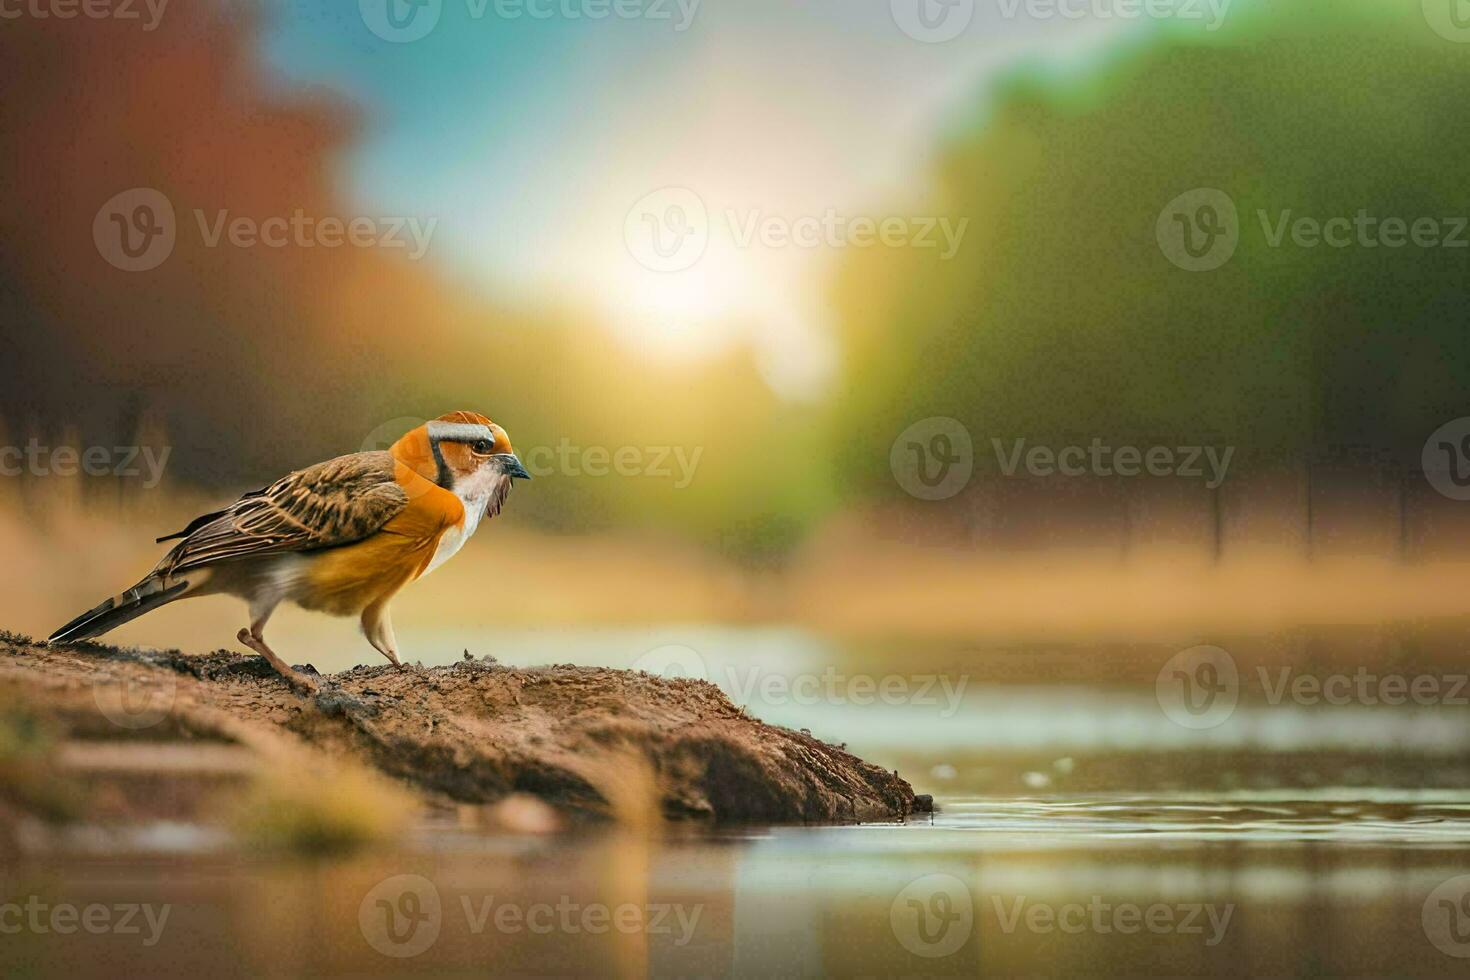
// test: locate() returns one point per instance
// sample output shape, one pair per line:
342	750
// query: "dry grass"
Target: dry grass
333	809
65	555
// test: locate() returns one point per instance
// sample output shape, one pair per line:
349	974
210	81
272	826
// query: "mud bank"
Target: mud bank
578	738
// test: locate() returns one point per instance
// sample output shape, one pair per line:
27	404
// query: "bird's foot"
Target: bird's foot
295	678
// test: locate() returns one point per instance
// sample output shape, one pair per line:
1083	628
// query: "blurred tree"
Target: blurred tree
253	361
1061	318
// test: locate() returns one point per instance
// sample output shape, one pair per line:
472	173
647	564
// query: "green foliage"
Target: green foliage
1061	318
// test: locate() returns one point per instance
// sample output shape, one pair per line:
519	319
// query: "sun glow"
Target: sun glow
729	297
687	314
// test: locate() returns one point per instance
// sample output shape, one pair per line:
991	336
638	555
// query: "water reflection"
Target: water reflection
1254	883
1081	831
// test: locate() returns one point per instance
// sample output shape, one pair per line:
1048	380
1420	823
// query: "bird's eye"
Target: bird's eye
483	446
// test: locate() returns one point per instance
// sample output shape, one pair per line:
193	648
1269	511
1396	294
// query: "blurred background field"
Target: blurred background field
764	526
761	399
1057	321
763	396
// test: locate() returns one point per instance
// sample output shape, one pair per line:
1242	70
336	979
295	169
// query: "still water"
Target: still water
1081	830
1258	884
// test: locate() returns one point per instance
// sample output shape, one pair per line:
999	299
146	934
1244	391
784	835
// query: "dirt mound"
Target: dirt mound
474	732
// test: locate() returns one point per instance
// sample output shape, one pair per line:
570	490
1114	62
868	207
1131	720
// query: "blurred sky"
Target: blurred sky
531	138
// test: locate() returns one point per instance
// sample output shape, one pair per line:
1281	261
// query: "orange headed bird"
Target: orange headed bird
340	537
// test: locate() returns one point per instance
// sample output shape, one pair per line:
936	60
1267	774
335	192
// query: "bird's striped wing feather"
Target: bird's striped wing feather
332	503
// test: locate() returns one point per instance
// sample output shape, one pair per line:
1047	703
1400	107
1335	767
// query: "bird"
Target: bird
341	537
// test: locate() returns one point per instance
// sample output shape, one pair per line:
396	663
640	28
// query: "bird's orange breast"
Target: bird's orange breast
346	580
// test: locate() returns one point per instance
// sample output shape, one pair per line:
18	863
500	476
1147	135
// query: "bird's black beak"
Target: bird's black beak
510	464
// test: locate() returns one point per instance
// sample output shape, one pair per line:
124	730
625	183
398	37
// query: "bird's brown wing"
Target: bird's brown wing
332	503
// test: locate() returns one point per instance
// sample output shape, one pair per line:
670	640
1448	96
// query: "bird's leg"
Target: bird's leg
378	629
254	638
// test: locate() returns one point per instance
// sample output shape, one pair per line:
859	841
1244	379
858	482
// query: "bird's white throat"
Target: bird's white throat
476	492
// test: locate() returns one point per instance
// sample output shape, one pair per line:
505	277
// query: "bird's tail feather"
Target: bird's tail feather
147	595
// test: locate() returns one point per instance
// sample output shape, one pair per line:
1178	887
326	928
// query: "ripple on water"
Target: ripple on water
1382	817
